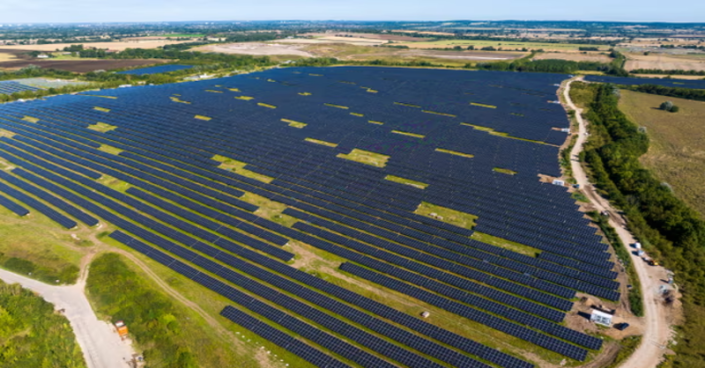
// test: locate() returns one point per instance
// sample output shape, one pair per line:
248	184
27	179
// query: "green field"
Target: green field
505	45
676	155
32	334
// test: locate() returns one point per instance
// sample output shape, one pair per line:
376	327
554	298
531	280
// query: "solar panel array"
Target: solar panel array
156	69
676	83
187	213
10	87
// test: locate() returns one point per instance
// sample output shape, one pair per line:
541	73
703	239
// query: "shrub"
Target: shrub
667	106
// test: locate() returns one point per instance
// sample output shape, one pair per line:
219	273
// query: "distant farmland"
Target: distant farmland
81	66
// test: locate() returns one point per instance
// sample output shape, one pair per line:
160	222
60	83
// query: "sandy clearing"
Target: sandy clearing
100	343
254	48
122	45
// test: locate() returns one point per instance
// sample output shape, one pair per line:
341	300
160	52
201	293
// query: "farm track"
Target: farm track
656	326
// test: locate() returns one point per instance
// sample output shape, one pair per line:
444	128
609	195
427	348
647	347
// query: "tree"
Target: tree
666	106
674	108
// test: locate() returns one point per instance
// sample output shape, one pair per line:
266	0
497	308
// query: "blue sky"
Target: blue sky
35	11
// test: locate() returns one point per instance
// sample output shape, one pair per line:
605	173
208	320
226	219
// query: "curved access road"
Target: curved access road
100	343
656	327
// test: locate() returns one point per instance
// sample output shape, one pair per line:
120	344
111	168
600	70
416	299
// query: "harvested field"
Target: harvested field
573	56
255	48
373	36
81	66
665	62
425	32
511	45
119	46
676	155
333	39
465	55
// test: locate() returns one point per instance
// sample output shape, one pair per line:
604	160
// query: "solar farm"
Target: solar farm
156	69
351	155
10	87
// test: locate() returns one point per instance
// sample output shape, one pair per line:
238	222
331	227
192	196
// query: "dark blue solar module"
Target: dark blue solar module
156	69
677	83
10	87
186	212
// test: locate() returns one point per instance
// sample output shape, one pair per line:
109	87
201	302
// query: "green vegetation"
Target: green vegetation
266	105
675	153
30	119
671	231
483	105
627	346
102	127
239	168
615	67
408	134
448	215
405	181
504	243
32	334
110	149
467	155
504	171
202	117
294	123
688	93
365	157
101	109
114	183
324	143
168	333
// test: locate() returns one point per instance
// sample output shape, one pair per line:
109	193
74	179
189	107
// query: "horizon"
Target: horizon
87	11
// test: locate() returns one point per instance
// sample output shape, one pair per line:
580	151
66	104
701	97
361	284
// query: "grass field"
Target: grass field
32	334
676	155
505	45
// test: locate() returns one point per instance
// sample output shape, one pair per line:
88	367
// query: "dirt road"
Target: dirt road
657	331
101	345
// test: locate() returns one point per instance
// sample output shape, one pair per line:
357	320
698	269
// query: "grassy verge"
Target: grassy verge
451	216
400	180
365	157
102	127
32	334
504	243
170	334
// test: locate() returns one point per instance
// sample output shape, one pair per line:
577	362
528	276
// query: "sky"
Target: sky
67	11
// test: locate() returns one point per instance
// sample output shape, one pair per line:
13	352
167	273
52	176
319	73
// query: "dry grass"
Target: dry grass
504	243
405	181
504	171
6	133
408	134
294	123
239	168
467	155
365	157
664	62
110	149
114	183
269	209
30	119
7	56
103	109
451	216
201	117
324	143
676	154
102	127
573	56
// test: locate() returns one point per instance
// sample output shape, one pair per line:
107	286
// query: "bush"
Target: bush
667	106
674	108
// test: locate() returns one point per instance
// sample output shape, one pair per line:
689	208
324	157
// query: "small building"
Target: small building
42	56
559	182
601	318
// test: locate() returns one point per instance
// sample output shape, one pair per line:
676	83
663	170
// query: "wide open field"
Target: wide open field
119	46
665	61
573	56
503	44
677	153
256	48
333	39
82	66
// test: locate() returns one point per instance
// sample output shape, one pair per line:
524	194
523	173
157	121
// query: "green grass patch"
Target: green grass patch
103	109
324	143
30	119
32	334
370	90
110	149
114	183
239	168
294	123
357	114
447	215
628	346
375	122
365	157
269	209
7	133
454	153
102	127
213	91
201	117
408	134
506	244
483	105
176	99
580	197
305	93
504	171
407	105
266	105
438	113
337	106
400	180
244	98
501	134
234	89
